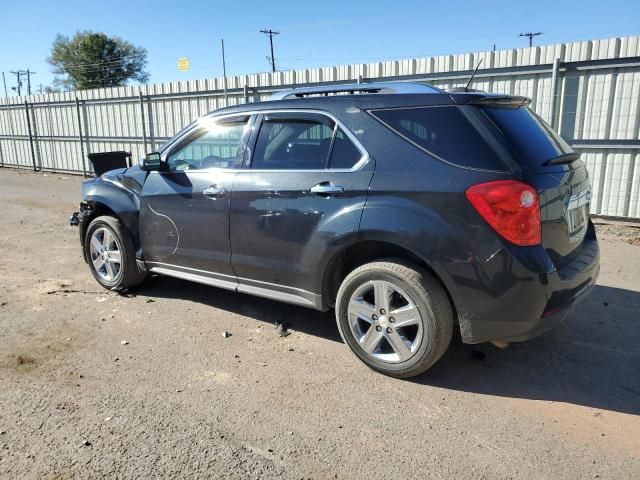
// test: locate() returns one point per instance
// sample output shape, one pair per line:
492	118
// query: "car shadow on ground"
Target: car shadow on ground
300	319
591	359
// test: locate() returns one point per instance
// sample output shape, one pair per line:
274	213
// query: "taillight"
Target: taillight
511	208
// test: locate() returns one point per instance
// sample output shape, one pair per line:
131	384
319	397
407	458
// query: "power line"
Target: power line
115	60
530	36
271	33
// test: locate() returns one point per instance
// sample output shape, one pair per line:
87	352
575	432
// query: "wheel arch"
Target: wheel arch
364	251
114	201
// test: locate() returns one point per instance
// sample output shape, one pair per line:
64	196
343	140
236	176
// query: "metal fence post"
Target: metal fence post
150	124
33	152
246	94
84	164
144	130
554	93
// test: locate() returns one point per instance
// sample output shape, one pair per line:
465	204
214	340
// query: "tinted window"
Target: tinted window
220	146
445	132
344	153
293	144
530	140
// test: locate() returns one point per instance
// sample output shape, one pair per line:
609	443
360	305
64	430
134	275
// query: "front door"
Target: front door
184	212
299	199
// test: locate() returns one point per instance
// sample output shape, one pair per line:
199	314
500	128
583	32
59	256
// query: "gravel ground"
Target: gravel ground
97	385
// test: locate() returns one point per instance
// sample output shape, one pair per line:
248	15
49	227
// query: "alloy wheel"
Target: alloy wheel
385	321
106	255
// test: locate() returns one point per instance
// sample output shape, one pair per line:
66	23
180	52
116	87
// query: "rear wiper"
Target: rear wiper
565	158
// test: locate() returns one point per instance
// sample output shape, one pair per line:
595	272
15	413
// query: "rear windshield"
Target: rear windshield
529	139
444	132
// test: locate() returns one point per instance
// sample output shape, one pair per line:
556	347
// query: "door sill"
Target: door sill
260	289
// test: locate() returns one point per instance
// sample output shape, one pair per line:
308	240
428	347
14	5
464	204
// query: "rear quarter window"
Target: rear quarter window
444	132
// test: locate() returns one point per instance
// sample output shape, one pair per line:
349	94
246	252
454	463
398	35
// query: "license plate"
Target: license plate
577	214
576	219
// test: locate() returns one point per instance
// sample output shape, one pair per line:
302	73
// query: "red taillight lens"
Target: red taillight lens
511	208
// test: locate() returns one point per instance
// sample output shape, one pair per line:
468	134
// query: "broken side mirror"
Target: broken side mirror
152	161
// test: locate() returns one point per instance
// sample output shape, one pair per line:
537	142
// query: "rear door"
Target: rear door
184	212
298	199
548	163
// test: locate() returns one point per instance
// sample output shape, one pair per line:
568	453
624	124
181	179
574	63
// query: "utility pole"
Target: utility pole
18	74
29	73
4	82
224	71
271	33
530	36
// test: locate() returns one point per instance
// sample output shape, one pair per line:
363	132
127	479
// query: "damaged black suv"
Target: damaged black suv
410	210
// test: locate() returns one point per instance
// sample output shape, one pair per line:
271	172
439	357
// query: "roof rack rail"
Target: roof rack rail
353	88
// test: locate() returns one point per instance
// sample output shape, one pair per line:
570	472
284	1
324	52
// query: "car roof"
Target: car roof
366	96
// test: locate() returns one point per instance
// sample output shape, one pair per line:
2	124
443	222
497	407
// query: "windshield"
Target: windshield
530	140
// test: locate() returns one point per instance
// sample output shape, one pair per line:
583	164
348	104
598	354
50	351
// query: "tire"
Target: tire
424	323
105	267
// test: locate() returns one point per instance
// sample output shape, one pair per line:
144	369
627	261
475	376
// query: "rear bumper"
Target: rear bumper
516	302
522	330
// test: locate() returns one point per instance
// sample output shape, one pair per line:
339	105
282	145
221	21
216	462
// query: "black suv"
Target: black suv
408	209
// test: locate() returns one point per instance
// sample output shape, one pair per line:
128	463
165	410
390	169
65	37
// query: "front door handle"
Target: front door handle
213	191
327	189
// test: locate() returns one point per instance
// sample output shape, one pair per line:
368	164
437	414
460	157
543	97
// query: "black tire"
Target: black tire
427	295
128	275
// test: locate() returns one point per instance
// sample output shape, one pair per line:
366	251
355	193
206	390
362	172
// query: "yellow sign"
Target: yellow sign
183	64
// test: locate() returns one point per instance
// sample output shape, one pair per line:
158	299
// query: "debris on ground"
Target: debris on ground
86	443
23	360
124	342
226	334
282	329
149	300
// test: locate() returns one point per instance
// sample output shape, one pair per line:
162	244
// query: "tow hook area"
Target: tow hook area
74	221
500	344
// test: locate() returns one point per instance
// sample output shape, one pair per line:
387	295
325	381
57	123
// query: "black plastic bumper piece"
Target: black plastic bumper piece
74	221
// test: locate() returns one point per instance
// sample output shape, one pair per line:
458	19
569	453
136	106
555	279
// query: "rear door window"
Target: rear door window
444	132
295	142
529	139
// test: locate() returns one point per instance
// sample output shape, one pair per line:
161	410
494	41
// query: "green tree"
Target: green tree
94	60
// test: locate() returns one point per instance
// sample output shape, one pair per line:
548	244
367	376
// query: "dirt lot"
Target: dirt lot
179	400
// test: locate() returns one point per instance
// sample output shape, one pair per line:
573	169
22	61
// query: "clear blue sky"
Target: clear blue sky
313	33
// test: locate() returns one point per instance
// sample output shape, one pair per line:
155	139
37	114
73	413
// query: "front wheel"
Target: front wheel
109	250
395	317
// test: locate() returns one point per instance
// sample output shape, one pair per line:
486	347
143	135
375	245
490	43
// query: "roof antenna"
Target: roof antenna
473	74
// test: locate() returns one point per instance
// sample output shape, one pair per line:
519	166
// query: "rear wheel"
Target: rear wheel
395	317
110	253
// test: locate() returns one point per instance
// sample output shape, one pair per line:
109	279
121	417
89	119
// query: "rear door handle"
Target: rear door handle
213	191
327	189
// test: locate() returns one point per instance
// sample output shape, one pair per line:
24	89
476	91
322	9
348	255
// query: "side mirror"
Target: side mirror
151	161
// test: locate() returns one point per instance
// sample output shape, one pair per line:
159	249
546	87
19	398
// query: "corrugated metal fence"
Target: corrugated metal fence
589	91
